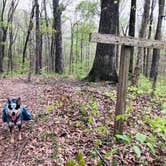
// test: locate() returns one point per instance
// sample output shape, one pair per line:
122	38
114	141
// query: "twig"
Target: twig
21	149
105	163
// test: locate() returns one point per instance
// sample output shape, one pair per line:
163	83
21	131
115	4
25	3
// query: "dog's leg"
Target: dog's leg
19	124
11	126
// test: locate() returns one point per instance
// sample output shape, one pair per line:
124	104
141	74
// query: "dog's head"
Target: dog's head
14	107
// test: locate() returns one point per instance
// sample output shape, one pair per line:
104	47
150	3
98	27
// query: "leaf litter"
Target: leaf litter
70	117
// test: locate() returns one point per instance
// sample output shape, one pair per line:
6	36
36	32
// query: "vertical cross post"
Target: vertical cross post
122	89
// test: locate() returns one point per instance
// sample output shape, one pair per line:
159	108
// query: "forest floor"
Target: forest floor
70	116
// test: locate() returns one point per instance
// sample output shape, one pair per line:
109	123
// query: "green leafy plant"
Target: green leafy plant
158	124
134	90
78	162
163	108
151	147
80	159
111	152
140	137
50	107
137	151
148	140
99	163
70	162
124	138
98	142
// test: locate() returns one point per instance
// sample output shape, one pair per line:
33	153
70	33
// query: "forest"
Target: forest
92	74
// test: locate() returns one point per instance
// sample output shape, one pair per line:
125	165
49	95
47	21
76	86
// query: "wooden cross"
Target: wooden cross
126	43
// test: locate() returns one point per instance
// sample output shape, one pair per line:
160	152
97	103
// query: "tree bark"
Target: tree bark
71	50
142	34
104	65
11	35
48	56
38	41
2	34
81	50
30	58
156	52
132	32
28	33
57	12
4	29
149	36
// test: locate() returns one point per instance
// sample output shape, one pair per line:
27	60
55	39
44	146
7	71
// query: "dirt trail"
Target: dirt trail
32	149
13	88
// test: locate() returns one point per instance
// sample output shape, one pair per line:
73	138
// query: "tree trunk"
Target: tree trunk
104	65
4	29
30	59
53	51
11	36
57	12
81	50
28	33
156	52
40	45
38	56
117	47
132	32
71	50
142	34
2	34
76	50
48	56
149	36
10	53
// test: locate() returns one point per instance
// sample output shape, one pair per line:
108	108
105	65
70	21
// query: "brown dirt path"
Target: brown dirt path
36	96
14	87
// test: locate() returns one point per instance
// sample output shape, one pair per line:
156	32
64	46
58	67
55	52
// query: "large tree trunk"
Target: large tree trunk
142	34
132	32
104	66
57	12
156	52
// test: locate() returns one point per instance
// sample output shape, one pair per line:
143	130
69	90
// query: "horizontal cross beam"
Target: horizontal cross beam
127	41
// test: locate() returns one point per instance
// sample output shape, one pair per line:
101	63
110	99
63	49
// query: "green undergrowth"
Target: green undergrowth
147	137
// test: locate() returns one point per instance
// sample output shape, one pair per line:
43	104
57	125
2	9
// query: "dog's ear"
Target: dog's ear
19	101
8	101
